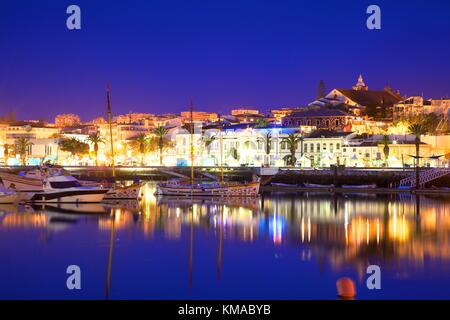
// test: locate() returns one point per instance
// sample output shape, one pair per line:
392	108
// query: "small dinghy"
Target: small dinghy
7	197
360	186
131	192
284	185
313	185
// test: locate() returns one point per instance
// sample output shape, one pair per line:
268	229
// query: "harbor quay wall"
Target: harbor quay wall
383	177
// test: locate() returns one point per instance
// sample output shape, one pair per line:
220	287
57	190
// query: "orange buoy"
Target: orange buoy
346	288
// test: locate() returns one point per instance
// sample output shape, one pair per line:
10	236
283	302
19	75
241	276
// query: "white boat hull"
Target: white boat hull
238	190
15	182
69	196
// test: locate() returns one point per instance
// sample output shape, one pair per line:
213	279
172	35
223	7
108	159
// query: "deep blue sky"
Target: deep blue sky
157	54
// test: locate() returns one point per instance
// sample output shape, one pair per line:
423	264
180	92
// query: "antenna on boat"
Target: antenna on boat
192	139
110	130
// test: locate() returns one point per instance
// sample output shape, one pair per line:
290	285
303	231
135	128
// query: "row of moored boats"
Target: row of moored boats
54	185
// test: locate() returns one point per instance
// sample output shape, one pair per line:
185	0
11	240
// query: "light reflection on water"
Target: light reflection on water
278	246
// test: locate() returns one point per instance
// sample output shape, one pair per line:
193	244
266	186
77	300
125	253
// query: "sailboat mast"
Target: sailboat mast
110	131
192	140
221	147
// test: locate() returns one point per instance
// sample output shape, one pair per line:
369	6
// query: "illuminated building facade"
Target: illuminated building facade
67	120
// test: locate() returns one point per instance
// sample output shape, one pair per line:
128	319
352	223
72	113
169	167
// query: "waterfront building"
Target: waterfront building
322	148
322	118
132	118
416	106
359	100
242	145
279	114
43	143
165	120
199	116
98	120
361	125
251	117
244	111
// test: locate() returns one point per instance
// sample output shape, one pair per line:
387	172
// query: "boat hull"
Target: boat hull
15	182
70	196
241	190
9	198
124	193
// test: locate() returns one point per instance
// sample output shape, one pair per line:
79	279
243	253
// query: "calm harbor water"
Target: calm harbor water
280	246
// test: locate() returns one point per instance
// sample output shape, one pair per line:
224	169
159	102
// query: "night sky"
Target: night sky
223	54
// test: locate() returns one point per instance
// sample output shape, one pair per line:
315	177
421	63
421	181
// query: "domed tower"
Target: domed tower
360	85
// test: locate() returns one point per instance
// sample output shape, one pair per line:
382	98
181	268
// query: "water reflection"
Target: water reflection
397	232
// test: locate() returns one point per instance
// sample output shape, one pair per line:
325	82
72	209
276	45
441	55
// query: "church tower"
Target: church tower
360	85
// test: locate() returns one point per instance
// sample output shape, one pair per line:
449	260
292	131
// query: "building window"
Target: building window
318	147
312	147
305	148
338	146
327	123
336	123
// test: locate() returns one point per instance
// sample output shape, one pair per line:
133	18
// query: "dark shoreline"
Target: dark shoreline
386	179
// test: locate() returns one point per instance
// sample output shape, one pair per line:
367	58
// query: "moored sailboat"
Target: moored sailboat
117	192
220	189
204	190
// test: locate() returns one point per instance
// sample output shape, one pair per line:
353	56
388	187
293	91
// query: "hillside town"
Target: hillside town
353	127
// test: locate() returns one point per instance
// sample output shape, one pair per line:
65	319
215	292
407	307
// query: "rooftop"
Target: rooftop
370	97
327	134
322	112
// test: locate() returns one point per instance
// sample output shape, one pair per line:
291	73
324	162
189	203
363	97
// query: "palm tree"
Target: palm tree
22	146
261	123
141	142
74	146
207	141
302	138
267	139
417	129
160	133
386	141
95	139
234	153
6	149
292	142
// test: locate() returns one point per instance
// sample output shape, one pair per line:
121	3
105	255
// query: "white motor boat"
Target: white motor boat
51	185
67	189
